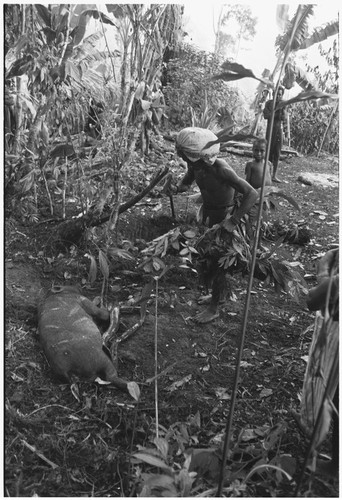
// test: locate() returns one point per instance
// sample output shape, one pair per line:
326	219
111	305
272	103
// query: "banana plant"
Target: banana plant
41	61
292	73
145	33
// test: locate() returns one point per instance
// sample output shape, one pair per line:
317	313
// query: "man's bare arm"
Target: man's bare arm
250	196
187	180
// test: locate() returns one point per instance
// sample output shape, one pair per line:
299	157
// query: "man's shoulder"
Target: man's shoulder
223	169
221	163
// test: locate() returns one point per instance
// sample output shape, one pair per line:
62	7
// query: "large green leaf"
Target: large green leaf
44	14
78	32
306	96
235	71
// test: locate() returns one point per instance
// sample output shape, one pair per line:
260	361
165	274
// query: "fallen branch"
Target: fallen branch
71	231
133	201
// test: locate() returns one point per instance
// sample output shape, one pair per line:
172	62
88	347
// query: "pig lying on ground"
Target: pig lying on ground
72	341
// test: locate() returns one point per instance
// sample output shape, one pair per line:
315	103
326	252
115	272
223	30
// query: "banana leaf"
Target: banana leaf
320	34
225	135
306	96
45	14
235	71
98	15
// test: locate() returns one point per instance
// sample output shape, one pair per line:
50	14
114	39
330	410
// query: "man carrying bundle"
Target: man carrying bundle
218	183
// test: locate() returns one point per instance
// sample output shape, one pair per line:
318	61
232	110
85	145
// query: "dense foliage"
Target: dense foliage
188	86
308	126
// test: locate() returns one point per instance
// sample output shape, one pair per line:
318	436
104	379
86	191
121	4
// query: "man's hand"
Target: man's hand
171	190
230	223
169	187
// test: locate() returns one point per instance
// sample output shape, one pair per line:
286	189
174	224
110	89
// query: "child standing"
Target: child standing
254	169
254	172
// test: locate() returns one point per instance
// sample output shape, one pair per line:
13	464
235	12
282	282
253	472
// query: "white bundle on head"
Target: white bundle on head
192	142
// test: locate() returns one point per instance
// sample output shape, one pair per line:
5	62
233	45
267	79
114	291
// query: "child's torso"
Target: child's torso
257	174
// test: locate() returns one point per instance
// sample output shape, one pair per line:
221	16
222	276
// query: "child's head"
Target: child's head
259	149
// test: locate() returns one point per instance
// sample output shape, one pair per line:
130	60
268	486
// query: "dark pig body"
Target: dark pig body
71	340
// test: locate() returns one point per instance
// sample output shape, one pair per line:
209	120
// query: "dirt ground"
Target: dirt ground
58	446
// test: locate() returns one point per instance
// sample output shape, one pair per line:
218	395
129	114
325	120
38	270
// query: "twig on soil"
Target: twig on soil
161	374
145	295
50	406
40	455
